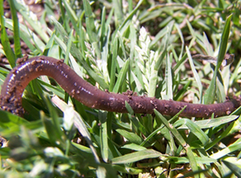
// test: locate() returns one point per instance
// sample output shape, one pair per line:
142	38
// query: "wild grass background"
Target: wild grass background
142	46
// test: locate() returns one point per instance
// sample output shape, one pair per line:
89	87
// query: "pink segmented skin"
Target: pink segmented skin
84	92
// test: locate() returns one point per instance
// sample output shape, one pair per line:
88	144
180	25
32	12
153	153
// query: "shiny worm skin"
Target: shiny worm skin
84	92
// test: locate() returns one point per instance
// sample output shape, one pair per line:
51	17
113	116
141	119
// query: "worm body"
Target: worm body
84	92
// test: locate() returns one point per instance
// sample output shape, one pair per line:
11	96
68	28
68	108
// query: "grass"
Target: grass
142	46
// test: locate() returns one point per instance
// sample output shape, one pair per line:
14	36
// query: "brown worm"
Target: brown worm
81	90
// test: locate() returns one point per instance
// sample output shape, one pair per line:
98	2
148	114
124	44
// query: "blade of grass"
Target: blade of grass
182	40
57	136
103	135
195	74
130	136
31	19
131	14
121	77
90	23
162	33
8	120
4	38
16	35
220	137
79	124
161	127
210	93
235	169
53	136
140	128
184	160
114	49
66	60
153	75
117	6
27	36
226	151
71	14
168	77
136	156
195	129
210	123
133	146
76	53
180	139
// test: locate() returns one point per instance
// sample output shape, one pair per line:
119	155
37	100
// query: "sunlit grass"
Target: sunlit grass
145	47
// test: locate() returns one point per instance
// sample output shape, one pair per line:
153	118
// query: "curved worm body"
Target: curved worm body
81	90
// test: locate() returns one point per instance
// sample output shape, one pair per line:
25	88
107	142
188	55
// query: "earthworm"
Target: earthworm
91	96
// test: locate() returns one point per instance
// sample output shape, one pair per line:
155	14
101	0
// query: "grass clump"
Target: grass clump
145	47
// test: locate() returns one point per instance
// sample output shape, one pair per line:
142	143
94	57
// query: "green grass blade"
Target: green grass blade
28	36
121	77
132	137
220	137
79	124
210	123
180	139
235	169
76	53
8	120
123	45
16	35
166	31
168	77
90	24
195	74
224	42
71	14
174	131
210	93
69	48
114	49
133	146
31	19
132	13
4	38
153	76
136	156
195	129
103	136
117	6
54	125
228	150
